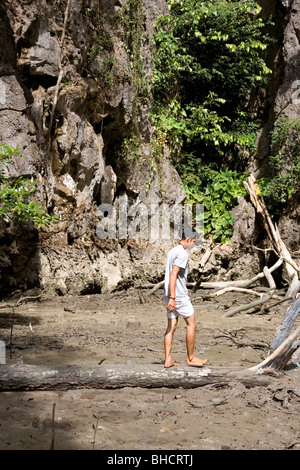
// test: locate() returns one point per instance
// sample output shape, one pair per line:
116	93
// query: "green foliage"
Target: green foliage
284	170
209	59
219	195
15	194
219	198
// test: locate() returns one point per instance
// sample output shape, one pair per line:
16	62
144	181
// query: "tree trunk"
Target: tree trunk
281	356
283	345
36	377
286	325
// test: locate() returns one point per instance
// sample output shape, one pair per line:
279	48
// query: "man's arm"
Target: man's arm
172	287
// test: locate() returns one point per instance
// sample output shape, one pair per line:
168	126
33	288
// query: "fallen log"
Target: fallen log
43	377
294	287
246	282
22	299
157	286
24	377
205	284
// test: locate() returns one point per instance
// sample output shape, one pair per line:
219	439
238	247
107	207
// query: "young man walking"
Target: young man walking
178	302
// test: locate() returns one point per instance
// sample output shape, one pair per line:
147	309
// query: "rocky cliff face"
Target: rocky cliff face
72	89
68	96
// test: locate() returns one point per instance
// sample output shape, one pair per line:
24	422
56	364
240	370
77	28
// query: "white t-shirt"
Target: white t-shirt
177	256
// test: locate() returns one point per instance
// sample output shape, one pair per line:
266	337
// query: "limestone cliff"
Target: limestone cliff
72	90
68	95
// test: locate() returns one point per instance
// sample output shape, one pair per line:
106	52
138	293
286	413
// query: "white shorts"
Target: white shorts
183	308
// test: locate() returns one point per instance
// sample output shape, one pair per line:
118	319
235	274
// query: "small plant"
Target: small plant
95	428
130	150
16	194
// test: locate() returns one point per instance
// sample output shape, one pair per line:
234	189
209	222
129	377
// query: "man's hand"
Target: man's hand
171	305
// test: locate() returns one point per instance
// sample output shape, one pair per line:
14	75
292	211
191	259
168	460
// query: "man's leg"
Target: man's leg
172	324
192	360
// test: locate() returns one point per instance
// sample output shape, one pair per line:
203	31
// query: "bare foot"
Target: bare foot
170	364
196	362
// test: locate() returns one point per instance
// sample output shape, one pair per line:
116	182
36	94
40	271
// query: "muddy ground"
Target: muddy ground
127	327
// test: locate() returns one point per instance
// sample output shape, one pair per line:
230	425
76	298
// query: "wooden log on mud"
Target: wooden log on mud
42	377
24	377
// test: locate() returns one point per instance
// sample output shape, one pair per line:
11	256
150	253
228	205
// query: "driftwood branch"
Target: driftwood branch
262	274
278	245
280	357
240	284
269	278
157	286
294	287
232	289
238	342
254	304
284	344
286	325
